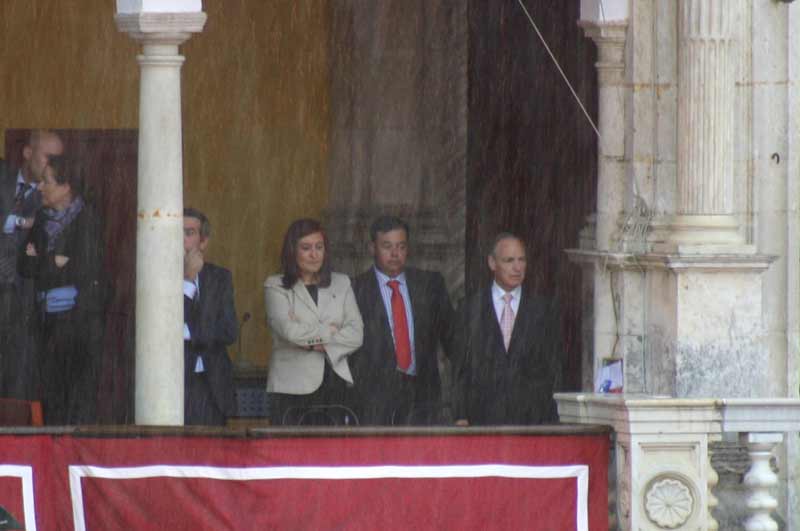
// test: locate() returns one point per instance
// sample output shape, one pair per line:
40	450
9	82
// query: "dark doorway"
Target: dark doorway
532	156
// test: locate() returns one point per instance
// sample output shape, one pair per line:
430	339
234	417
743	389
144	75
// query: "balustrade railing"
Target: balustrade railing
664	476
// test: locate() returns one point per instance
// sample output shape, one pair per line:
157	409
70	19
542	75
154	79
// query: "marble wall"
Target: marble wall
723	322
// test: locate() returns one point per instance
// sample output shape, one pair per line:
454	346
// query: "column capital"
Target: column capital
605	32
161	28
610	40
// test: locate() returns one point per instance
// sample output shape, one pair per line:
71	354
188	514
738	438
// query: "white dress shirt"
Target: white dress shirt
191	289
499	303
386	295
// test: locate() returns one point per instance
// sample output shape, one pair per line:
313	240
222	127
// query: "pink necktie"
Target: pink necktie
507	319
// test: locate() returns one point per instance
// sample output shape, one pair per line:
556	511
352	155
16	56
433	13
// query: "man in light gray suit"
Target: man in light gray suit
19	200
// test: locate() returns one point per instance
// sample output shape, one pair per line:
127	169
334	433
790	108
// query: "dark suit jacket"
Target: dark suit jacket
10	244
213	327
77	334
374	365
515	387
81	242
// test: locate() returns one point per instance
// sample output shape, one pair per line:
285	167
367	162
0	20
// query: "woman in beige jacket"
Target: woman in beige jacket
315	325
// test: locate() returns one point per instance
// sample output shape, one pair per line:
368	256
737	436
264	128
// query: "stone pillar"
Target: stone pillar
706	95
159	244
610	40
661	456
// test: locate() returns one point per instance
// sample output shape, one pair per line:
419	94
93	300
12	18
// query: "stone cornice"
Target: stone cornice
766	415
717	262
641	414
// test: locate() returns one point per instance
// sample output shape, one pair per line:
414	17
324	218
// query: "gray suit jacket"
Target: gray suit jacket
297	324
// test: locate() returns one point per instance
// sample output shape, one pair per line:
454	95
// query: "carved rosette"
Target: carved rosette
669	502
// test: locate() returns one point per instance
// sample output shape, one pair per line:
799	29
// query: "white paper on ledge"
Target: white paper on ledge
609	379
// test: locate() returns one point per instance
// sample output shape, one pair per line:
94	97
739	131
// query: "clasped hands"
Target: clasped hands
59	259
320	347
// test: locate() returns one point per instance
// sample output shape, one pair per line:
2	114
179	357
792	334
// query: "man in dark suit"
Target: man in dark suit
209	327
407	316
510	364
19	200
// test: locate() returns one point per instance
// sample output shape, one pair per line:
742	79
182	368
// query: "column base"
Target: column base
692	235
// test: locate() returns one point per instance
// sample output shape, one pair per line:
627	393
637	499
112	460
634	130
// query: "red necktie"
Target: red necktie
402	345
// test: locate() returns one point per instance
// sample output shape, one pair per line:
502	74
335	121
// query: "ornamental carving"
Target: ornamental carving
669	503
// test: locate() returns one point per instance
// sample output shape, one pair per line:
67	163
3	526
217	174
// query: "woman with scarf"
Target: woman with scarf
63	255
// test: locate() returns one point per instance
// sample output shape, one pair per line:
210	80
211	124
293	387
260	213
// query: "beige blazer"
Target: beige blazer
298	324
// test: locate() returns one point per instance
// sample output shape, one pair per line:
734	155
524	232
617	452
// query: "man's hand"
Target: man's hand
30	250
192	264
61	260
462	422
319	348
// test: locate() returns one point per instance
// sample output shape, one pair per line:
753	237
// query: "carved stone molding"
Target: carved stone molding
171	28
669	502
610	39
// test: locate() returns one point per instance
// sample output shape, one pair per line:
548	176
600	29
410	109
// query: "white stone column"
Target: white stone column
705	135
609	36
610	40
159	244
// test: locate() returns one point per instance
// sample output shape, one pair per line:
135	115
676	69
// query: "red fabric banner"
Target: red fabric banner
545	482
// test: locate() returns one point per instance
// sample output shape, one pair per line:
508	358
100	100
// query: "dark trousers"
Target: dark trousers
329	405
19	371
68	371
199	406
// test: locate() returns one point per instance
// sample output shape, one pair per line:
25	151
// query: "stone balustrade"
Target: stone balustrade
664	477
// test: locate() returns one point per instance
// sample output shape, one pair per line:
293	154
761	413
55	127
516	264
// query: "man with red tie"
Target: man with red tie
407	315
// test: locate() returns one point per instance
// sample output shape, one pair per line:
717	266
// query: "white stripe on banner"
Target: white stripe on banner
579	472
25	473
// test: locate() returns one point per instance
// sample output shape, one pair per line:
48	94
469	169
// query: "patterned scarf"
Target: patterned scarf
58	220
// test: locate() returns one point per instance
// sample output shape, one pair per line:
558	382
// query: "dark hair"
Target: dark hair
385	224
67	171
205	225
297	230
504	236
